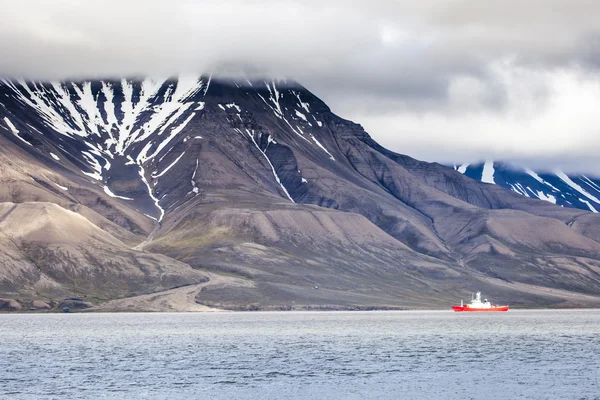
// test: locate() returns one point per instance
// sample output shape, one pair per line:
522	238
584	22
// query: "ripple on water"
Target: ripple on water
379	355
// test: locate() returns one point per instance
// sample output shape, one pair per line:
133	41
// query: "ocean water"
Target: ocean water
302	355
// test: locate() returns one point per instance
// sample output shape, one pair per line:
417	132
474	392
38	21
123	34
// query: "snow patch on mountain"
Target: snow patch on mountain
15	131
517	187
275	105
590	183
539	179
463	168
195	189
575	186
299	114
546	197
111	194
487	175
158	175
589	205
72	109
322	147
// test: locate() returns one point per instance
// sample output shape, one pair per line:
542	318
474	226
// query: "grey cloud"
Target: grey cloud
379	43
449	66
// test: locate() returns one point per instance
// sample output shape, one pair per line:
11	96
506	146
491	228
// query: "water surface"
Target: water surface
302	355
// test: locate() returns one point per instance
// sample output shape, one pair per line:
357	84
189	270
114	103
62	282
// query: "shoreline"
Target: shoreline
345	310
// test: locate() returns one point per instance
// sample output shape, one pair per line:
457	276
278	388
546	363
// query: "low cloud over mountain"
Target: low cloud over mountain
438	80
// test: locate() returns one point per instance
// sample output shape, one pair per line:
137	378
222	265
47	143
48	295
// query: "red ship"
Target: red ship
478	305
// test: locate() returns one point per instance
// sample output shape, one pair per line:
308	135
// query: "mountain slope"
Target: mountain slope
261	181
49	252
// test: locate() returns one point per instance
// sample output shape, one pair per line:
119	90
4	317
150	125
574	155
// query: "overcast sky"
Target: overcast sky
440	80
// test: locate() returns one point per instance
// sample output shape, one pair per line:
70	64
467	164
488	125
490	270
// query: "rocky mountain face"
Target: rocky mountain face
254	195
566	190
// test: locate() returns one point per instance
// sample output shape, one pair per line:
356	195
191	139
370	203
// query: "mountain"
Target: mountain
566	190
182	194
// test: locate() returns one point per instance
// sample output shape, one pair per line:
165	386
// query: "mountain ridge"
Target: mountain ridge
567	190
261	182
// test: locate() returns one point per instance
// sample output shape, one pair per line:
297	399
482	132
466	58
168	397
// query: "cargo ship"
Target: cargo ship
478	305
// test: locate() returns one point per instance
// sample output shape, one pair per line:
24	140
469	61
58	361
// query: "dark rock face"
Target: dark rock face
261	181
75	304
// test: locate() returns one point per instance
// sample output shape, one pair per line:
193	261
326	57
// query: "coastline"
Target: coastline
207	310
184	299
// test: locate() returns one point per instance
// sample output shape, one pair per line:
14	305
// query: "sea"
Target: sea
521	354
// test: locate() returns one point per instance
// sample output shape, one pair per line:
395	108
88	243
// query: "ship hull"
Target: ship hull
472	309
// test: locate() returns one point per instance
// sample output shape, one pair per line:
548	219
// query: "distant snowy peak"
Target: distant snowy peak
575	191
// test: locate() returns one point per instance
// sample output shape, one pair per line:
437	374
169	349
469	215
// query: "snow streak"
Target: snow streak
487	175
539	179
590	183
274	104
137	120
169	167
111	194
251	135
194	187
72	109
592	209
578	188
517	187
15	131
142	173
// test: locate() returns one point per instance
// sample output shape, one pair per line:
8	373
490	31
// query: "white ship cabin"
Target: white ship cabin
477	303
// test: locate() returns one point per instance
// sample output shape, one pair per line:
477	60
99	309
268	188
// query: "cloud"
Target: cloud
548	119
436	79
